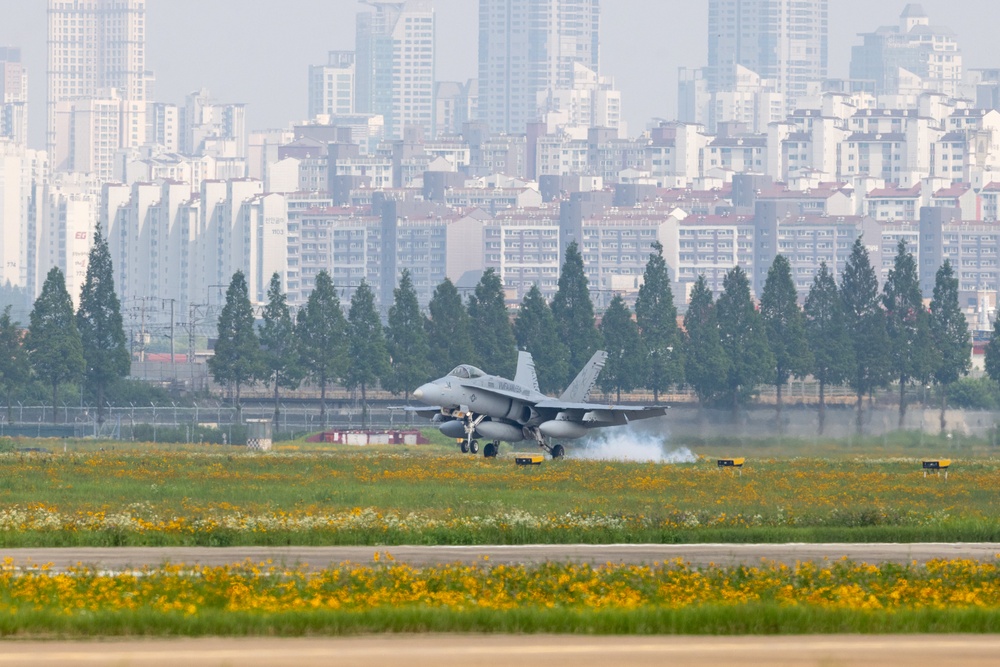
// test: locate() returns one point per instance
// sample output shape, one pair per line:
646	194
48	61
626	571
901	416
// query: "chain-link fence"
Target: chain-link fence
188	424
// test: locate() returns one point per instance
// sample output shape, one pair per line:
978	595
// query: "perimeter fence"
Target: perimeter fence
206	424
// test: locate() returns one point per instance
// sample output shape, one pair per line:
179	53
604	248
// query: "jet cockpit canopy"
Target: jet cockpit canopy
467	372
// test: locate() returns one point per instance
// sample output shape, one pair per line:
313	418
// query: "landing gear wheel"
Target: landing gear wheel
490	450
558	451
465	446
474	447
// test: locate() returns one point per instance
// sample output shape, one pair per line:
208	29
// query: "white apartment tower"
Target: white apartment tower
395	64
909	58
331	86
783	41
97	46
13	96
528	48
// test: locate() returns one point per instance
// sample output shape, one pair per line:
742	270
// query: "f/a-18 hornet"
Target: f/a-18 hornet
469	404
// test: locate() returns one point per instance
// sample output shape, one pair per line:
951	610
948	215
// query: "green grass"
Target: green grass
758	619
791	490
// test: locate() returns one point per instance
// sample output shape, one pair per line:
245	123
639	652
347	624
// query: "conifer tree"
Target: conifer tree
535	331
449	330
904	312
656	317
281	358
832	353
53	341
623	369
741	333
784	326
322	333
14	368
494	340
99	321
865	321
706	365
369	361
991	362
237	358
406	338
950	332
574	313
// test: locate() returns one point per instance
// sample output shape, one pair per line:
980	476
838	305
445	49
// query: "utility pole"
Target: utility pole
142	333
171	331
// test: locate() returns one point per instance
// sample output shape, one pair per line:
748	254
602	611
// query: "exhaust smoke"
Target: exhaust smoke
628	444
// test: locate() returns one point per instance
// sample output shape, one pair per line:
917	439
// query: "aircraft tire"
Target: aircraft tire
558	451
474	447
465	447
490	451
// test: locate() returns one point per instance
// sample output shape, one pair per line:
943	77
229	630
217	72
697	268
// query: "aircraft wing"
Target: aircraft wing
426	412
603	415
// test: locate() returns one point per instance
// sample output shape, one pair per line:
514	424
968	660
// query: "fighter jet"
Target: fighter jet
469	405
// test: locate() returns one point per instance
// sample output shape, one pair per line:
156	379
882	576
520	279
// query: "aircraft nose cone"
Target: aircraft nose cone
427	394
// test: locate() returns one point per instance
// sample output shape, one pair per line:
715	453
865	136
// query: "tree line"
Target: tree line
61	346
851	333
848	334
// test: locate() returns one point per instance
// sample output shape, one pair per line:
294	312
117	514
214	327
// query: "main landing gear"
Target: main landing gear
490	451
555	451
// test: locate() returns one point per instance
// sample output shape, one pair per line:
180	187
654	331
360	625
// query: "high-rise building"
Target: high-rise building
783	41
331	86
96	46
592	101
13	96
210	128
910	58
528	48
395	64
88	132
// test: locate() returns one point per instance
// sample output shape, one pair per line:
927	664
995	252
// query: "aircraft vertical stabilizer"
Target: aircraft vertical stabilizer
526	376
579	389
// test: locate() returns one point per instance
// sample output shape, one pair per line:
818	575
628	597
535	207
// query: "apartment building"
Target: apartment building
909	58
522	246
22	171
782	41
67	209
527	50
13	96
331	86
170	244
395	64
97	50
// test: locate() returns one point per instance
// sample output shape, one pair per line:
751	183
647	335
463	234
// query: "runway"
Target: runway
525	651
123	558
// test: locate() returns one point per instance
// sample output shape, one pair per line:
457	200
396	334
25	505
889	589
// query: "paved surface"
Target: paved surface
525	651
320	557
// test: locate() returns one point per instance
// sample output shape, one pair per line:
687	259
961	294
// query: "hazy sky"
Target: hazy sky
258	51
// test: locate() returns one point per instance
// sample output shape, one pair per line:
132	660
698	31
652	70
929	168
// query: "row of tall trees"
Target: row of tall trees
851	333
62	346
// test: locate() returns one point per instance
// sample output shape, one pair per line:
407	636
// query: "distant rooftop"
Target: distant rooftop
913	10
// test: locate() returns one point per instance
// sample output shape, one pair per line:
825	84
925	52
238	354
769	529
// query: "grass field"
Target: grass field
91	494
671	598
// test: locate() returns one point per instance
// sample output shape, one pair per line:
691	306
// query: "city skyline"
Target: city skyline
297	36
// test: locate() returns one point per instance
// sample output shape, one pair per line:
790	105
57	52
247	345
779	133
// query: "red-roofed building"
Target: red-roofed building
892	204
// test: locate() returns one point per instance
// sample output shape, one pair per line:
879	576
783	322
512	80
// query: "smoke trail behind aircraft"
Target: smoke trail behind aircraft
630	445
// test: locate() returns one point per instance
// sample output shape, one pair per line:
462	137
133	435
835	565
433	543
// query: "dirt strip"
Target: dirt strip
525	651
115	559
